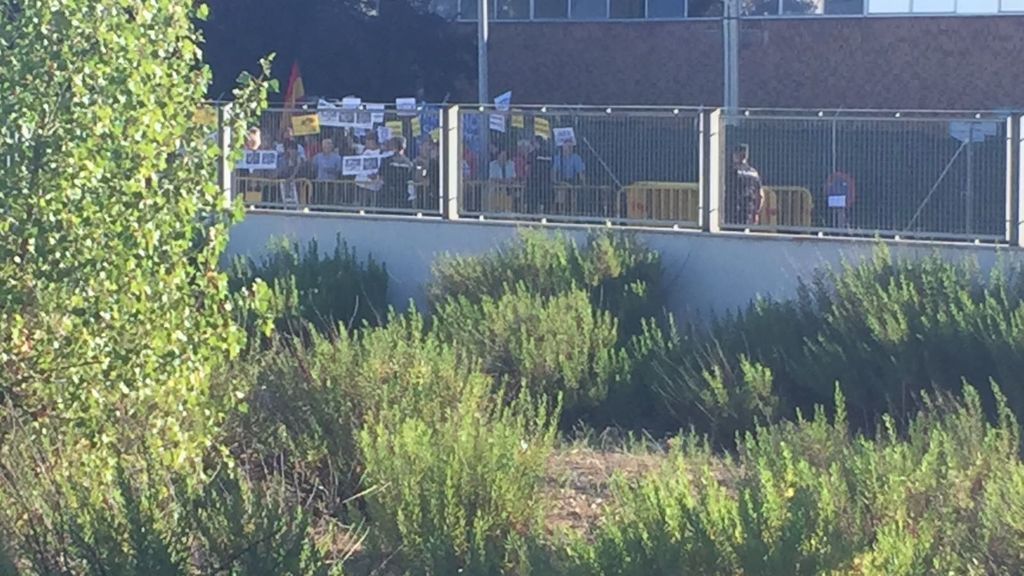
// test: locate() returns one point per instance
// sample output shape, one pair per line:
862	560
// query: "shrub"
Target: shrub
61	514
322	291
459	495
810	498
887	329
550	346
620	275
308	401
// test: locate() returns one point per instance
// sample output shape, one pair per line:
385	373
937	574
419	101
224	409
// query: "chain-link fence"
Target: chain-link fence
938	175
581	164
910	174
365	159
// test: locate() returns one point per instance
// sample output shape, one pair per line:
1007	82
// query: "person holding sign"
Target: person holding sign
288	168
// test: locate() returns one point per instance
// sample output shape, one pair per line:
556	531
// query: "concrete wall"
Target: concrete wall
709	273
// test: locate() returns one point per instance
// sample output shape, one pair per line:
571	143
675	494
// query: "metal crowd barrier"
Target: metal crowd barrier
908	174
930	175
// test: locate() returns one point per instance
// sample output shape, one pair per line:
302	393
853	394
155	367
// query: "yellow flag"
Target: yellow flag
518	121
542	128
395	126
417	128
305	124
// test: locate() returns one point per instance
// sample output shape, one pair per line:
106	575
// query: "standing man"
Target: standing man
743	195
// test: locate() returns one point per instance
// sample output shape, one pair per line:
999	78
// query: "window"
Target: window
844	6
934	6
888	6
1012	6
759	7
668	8
977	6
628	9
512	10
589	9
704	8
798	7
468	9
445	8
550	9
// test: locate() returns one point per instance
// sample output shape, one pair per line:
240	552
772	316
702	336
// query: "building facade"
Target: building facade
891	54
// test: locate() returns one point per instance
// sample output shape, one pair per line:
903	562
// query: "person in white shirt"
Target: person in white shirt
502	168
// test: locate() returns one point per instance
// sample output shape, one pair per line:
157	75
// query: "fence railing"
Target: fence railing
338	159
937	175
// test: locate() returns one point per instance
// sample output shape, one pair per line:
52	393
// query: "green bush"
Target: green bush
811	498
621	275
61	514
885	329
459	494
549	346
308	400
319	290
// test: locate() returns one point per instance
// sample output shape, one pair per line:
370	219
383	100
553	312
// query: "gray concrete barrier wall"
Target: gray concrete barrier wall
707	273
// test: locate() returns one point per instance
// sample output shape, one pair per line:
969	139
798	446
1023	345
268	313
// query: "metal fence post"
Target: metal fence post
1013	200
224	145
451	165
712	174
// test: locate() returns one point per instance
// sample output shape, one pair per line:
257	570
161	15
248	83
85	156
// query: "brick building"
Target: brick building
894	54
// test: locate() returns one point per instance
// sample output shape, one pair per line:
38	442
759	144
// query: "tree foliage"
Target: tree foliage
113	313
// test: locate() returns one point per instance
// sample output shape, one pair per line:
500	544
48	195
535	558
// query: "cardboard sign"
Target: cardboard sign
406	106
258	160
542	128
564	136
518	121
306	124
497	122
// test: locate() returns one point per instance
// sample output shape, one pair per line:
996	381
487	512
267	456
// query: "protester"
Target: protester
501	168
742	189
539	189
568	166
288	166
397	174
328	162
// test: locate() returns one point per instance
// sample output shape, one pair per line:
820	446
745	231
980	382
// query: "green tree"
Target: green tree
113	313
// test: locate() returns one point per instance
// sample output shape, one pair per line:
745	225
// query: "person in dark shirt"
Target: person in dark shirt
742	189
540	192
397	173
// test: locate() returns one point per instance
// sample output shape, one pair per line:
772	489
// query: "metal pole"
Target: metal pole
969	208
483	93
731	56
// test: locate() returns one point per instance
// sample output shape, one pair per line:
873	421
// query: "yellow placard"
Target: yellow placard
518	121
305	125
542	128
395	126
435	134
417	127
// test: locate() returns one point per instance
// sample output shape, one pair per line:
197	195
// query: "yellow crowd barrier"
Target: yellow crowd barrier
786	206
667	201
270	190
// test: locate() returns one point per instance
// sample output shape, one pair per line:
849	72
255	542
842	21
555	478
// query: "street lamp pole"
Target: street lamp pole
731	55
483	93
